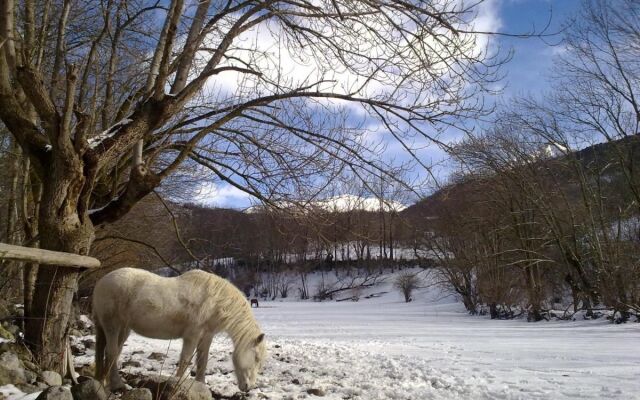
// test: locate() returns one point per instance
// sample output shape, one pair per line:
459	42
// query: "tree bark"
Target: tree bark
533	286
61	229
11	271
48	326
31	196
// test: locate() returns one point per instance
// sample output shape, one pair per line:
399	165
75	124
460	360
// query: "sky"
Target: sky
525	75
533	58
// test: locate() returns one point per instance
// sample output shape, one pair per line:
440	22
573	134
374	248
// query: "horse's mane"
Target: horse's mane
230	307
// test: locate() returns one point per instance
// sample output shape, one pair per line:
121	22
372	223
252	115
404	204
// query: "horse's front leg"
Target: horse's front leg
188	347
203	356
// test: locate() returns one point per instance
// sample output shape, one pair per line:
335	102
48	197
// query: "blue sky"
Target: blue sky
526	74
533	58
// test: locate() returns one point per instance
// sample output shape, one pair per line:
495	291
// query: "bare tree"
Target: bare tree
596	101
107	102
406	282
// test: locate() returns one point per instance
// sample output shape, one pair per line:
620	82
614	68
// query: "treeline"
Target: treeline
521	227
521	230
532	218
288	236
261	249
254	248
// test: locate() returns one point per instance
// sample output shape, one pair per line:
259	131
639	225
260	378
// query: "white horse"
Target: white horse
194	306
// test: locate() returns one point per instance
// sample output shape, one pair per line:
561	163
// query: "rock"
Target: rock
316	392
55	393
89	343
13	329
83	378
170	388
157	356
89	389
31	376
11	369
77	349
86	370
30	366
5	334
4	311
85	323
28	388
295	381
42	385
20	350
76	333
131	363
138	394
51	378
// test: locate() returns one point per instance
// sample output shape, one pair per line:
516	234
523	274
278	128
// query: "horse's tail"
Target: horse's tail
101	342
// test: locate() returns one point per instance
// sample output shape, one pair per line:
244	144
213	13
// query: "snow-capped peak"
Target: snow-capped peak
343	203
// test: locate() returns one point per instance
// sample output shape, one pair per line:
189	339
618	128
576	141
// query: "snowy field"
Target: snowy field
382	348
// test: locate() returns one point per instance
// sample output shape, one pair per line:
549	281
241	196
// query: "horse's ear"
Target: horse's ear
260	338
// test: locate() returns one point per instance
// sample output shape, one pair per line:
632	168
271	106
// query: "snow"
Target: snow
11	392
101	137
348	202
85	320
344	203
383	348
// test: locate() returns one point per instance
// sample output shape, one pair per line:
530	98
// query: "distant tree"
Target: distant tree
406	282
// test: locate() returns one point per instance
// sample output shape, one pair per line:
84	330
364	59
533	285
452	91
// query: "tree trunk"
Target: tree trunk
407	295
31	194
61	229
469	304
493	310
47	328
11	276
391	256
533	287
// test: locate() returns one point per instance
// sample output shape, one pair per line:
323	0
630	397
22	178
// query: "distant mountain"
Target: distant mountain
596	157
342	203
350	202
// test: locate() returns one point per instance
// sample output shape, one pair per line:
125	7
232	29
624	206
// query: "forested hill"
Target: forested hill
520	228
613	159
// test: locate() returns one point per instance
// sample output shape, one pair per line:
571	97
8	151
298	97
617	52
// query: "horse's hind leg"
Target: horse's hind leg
100	346
112	352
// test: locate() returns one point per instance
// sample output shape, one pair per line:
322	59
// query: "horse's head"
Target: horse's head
248	361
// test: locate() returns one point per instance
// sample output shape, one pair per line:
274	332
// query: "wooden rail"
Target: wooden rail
40	256
44	257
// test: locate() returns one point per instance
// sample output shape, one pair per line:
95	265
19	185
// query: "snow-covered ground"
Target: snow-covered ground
383	348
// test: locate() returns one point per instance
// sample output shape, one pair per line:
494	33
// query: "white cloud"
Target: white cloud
266	49
283	63
223	195
488	18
